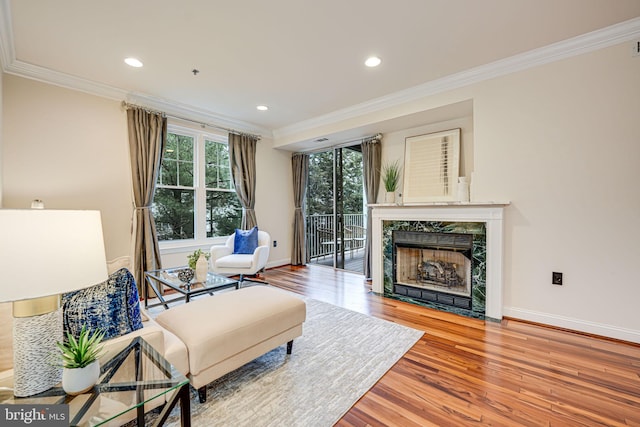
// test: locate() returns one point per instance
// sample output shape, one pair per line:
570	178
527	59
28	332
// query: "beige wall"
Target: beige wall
562	143
6	360
69	149
1	133
274	199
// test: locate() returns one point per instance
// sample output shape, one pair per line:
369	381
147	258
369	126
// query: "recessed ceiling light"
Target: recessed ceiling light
134	62
372	61
262	107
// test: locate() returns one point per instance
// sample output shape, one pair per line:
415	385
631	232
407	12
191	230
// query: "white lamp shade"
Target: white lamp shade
47	252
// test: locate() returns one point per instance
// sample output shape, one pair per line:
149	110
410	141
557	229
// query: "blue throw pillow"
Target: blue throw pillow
113	306
246	241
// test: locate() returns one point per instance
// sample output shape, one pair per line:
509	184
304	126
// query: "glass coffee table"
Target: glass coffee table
132	382
156	279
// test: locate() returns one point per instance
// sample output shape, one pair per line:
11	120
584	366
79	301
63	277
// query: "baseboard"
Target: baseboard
577	325
278	263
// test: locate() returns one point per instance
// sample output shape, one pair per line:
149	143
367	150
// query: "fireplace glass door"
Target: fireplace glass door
433	267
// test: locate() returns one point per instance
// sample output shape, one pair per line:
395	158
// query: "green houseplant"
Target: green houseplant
193	258
391	179
80	364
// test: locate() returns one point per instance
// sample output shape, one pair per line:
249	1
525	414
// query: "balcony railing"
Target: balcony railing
321	239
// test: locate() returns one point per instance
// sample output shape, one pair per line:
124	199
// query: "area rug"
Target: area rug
340	356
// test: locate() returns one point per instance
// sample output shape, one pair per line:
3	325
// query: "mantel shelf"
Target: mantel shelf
439	204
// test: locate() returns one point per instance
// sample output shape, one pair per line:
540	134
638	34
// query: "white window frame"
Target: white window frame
200	239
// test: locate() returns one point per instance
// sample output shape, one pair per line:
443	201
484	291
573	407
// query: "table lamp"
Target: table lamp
45	253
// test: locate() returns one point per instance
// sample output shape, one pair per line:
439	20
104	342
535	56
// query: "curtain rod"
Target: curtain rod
377	137
126	105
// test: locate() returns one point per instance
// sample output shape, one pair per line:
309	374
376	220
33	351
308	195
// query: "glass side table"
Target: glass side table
134	381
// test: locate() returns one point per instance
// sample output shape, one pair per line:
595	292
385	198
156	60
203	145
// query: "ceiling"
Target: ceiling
302	58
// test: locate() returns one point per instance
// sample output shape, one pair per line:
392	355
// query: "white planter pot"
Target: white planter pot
390	197
79	380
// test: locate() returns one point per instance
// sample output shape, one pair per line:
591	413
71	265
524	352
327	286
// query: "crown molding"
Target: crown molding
167	106
588	42
47	75
170	107
13	66
189	112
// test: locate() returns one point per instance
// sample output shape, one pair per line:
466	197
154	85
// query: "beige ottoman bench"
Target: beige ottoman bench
225	331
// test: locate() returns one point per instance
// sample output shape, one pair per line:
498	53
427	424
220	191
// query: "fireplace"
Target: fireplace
434	267
483	221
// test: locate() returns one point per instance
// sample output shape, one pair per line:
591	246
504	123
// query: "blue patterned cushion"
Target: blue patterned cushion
113	306
246	241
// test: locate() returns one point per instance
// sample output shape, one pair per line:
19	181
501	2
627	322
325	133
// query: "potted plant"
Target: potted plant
391	179
80	364
199	263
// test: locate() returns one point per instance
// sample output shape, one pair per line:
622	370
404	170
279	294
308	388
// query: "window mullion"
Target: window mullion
201	194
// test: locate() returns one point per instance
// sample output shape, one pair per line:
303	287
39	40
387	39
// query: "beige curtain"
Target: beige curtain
300	166
242	156
147	136
371	161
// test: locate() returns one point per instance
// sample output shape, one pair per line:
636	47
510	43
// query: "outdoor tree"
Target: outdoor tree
320	187
174	198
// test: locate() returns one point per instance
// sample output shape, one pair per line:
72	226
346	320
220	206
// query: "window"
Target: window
194	197
224	212
174	199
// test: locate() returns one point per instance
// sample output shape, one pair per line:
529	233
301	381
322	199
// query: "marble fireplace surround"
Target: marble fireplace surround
490	213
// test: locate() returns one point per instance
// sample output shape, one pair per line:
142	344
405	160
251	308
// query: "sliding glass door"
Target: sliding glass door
335	208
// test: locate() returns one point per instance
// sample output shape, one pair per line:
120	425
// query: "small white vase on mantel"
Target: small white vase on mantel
202	266
80	380
463	189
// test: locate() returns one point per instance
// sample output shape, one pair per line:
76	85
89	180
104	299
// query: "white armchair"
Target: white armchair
223	261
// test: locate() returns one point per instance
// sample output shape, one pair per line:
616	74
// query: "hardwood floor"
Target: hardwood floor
470	372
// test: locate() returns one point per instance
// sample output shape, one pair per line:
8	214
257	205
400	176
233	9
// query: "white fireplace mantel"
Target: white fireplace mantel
490	213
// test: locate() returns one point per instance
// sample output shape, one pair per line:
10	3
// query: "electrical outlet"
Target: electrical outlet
556	278
275	243
636	48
